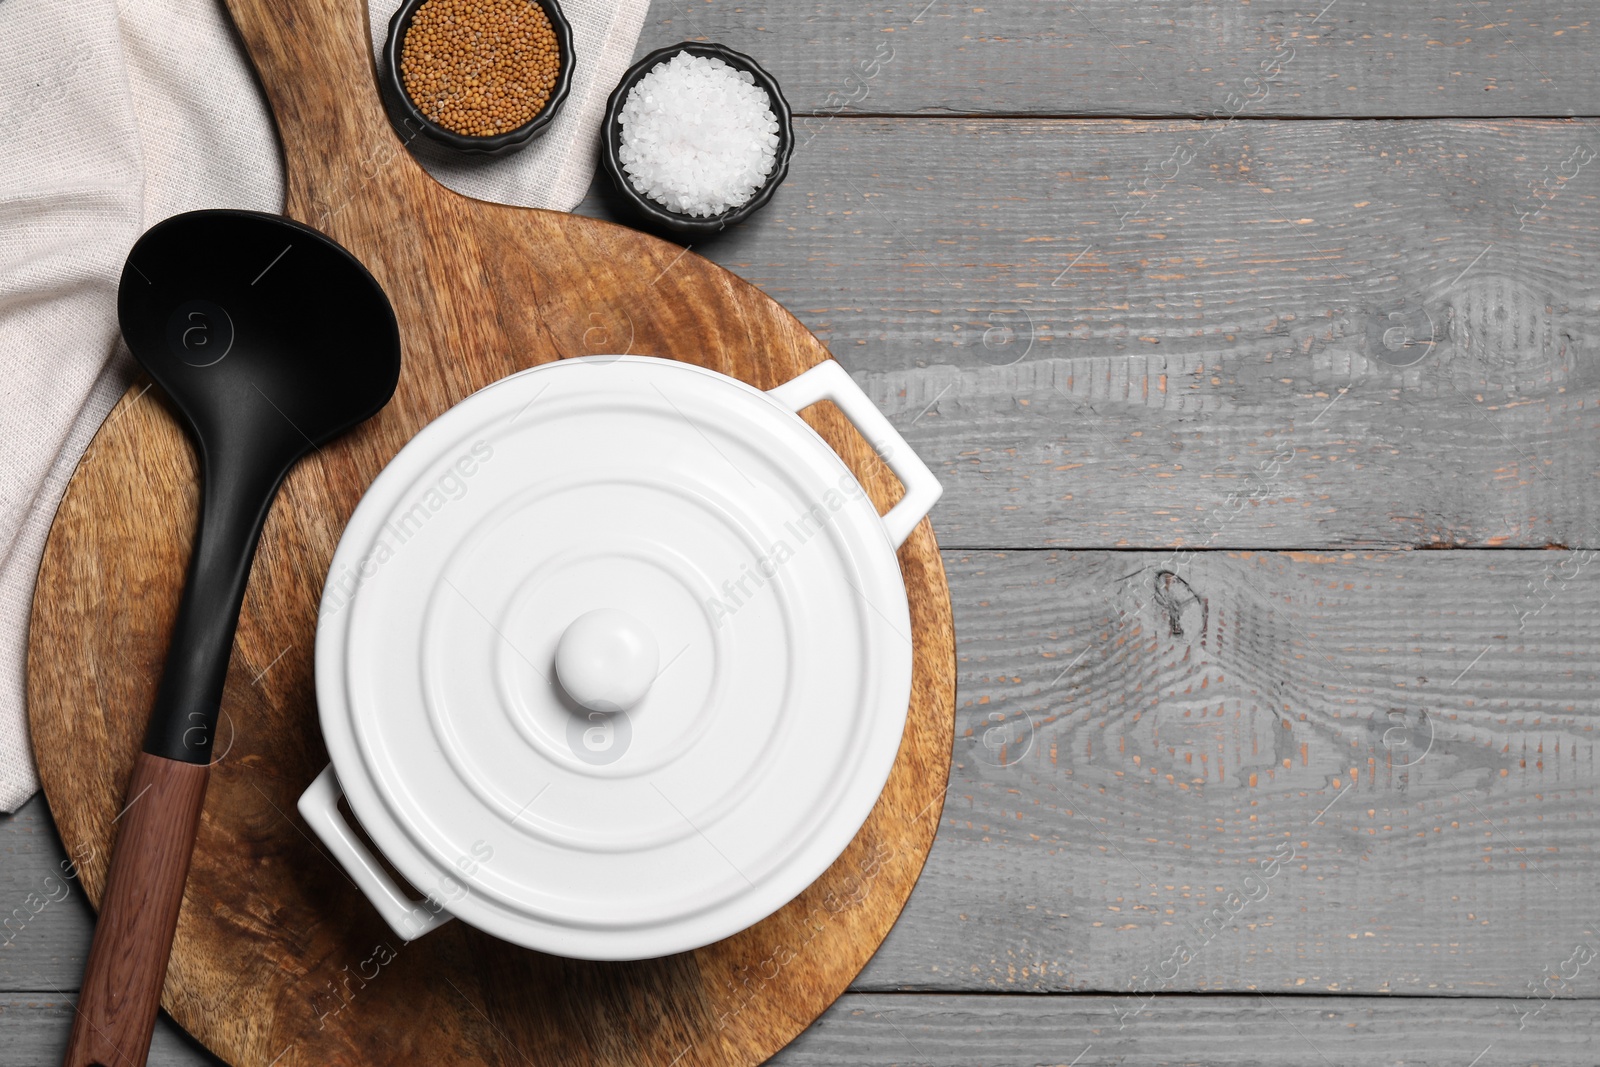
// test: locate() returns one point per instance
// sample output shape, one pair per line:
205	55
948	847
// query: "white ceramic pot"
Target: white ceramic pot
613	659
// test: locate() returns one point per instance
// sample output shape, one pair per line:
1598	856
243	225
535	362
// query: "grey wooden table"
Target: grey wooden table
1217	321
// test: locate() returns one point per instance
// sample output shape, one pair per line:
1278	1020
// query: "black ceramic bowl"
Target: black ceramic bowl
409	120
659	213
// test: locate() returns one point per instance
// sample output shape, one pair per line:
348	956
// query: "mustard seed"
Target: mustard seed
480	67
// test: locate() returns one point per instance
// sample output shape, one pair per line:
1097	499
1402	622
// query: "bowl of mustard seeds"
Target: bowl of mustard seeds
478	76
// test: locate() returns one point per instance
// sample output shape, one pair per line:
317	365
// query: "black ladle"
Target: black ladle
271	340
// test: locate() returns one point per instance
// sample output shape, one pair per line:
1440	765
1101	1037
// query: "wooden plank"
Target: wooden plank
1171	726
1155	781
34	1028
867	1030
1123	57
1241	1031
1090	361
45	921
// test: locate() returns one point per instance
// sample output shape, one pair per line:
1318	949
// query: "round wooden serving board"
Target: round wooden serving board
278	959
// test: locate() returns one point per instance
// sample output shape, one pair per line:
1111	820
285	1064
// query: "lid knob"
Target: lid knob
606	660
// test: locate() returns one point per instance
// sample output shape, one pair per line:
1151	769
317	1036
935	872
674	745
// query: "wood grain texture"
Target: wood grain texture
1091	362
1374	58
278	959
1415	730
879	1030
1243	1031
127	965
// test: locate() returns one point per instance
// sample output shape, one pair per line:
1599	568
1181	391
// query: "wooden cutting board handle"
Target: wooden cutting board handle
128	961
315	61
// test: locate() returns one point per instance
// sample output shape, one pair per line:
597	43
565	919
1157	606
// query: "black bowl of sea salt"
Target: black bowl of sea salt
697	137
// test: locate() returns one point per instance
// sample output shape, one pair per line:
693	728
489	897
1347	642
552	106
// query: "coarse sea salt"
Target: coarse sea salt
698	135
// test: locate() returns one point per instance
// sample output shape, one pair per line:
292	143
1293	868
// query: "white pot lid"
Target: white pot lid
614	657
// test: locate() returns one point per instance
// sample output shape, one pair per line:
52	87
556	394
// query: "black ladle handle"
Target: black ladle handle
234	505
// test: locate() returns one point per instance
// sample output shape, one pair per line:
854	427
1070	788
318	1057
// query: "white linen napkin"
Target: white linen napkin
113	117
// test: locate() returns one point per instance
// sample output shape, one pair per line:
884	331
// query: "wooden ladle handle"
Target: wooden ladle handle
138	914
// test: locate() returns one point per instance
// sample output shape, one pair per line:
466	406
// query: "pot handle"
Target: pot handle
830	381
319	806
